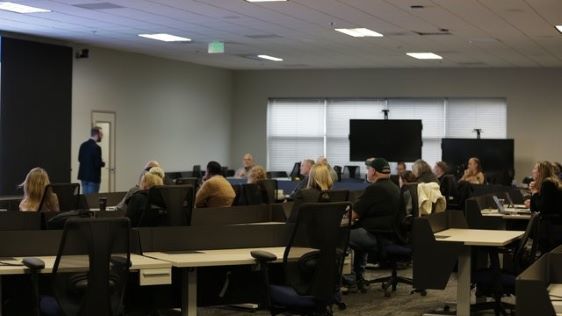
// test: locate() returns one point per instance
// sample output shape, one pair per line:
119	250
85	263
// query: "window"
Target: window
300	129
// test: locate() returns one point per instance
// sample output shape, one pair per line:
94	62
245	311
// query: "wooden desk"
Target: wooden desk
472	237
151	271
191	260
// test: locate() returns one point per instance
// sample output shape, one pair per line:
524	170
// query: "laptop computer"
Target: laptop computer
508	210
511	204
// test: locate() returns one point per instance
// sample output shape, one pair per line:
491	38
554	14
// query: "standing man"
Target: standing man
89	157
247	164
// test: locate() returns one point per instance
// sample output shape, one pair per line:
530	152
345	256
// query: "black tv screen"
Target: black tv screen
394	140
494	154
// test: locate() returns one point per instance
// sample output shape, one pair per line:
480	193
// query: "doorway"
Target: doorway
106	120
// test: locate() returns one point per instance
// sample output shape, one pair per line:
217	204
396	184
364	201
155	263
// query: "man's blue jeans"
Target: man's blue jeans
363	243
90	187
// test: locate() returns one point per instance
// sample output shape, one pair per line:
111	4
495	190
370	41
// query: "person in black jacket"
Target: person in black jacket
89	157
374	215
546	189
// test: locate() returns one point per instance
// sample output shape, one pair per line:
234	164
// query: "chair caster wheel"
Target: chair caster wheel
341	306
423	293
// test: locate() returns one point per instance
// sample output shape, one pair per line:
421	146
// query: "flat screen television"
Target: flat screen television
496	155
394	140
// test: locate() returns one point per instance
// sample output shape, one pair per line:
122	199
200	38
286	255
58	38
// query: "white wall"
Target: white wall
174	112
534	98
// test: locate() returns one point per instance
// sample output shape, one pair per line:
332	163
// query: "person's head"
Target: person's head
420	167
150	164
306	165
440	168
248	160
34	184
213	168
542	171
157	171
320	178
556	167
150	180
257	173
406	177
400	167
474	165
96	133
377	169
322	160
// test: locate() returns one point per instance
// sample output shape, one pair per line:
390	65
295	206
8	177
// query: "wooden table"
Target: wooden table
472	237
191	260
151	271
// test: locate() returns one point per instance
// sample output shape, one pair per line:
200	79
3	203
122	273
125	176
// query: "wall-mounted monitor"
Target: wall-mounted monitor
394	140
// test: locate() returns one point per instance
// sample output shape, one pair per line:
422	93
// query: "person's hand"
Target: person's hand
533	187
466	172
527	203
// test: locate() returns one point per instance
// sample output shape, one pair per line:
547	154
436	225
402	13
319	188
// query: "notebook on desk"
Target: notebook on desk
509	210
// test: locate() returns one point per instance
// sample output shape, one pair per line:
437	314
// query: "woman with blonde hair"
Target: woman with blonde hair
257	173
546	189
319	181
473	173
320	178
137	203
34	186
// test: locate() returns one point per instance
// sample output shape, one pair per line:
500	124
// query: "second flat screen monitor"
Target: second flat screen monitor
394	140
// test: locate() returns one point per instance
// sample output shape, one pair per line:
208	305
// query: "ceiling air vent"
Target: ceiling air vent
98	6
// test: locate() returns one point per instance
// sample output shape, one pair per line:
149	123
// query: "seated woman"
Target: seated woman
404	178
137	203
319	180
422	172
33	189
546	189
156	169
257	173
473	173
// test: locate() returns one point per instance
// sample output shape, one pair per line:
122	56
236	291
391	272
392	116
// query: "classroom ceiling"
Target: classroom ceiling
466	33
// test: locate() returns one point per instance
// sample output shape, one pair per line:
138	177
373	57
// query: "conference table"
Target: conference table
470	238
151	271
189	261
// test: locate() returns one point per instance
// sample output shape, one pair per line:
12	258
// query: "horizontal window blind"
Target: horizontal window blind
307	129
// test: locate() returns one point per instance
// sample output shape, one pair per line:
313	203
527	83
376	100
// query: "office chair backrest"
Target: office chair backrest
276	174
192	181
526	252
92	266
448	186
296	172
175	204
196	172
319	239
335	196
413	189
268	190
249	194
68	195
338	170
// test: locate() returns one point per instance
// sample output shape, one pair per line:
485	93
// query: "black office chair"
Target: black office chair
169	205
192	181
338	195
312	261
91	269
196	172
268	189
351	171
68	195
249	194
400	250
296	172
495	283
338	170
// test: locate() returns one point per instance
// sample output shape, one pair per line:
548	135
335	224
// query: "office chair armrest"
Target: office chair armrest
263	256
33	264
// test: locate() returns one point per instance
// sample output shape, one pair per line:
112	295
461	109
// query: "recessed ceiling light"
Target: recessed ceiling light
360	32
265	0
166	37
20	8
424	55
270	58
559	28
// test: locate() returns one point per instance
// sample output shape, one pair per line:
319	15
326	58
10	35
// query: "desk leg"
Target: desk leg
1	297
189	292
463	284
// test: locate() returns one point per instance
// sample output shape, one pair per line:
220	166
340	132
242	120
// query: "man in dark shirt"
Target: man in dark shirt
89	156
306	166
374	215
